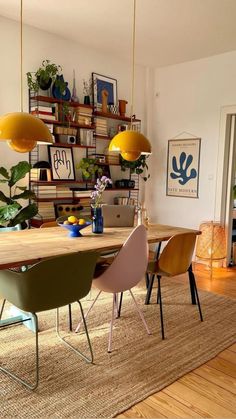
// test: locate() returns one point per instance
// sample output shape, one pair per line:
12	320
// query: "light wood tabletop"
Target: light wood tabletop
29	246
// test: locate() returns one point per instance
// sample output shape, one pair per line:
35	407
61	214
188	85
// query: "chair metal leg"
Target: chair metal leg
85	357
2	308
34	385
70	317
120	304
149	291
87	312
191	284
140	313
198	301
111	324
158	295
147	279
161	311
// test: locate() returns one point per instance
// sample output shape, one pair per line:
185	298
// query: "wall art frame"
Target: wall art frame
99	83
62	162
183	164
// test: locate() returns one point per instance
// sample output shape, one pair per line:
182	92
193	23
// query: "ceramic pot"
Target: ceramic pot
43	84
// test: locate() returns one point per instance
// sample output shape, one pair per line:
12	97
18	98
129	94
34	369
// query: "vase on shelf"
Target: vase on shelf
86	100
97	224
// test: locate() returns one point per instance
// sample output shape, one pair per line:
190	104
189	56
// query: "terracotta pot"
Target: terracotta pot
122	107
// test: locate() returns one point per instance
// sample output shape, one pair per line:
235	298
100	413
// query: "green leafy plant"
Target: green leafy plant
12	212
137	166
45	72
89	167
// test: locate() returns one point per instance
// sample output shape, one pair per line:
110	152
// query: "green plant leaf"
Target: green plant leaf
8	212
22	188
25	195
4	198
18	172
3	180
25	214
4	173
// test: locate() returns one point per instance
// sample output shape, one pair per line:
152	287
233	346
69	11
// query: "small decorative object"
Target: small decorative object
62	164
137	166
125	183
122	107
44	76
183	167
101	83
74	96
87	90
41	171
60	88
89	167
12	213
73	224
97	224
104	100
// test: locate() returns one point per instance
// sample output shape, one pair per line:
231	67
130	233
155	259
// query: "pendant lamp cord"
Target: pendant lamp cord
133	57
21	55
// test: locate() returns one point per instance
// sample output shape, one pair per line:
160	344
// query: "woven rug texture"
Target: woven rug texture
138	366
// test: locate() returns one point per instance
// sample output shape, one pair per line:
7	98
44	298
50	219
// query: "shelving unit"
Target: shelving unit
98	142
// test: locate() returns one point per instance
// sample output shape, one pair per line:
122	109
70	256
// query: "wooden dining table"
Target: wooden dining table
26	247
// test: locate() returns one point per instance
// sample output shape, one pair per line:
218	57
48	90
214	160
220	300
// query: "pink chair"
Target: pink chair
127	269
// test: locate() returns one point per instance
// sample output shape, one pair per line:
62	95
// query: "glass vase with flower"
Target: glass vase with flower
100	186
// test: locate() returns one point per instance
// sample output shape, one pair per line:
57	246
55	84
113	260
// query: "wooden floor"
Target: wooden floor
210	390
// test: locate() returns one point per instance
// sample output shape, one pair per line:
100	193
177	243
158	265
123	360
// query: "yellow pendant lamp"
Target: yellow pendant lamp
131	144
22	130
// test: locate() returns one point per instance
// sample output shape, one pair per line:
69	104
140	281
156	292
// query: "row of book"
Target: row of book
46	210
124	201
45	112
52	191
101	126
84	115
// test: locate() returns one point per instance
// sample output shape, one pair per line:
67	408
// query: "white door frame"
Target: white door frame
225	173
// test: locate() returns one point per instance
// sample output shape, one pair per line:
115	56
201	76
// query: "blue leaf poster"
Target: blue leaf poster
183	163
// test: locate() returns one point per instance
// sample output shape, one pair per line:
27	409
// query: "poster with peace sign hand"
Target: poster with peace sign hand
62	163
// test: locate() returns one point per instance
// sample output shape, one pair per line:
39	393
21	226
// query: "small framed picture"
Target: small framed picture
62	163
101	83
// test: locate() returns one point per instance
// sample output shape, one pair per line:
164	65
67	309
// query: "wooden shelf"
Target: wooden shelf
60	182
67	198
114	116
102	137
108	164
39	98
73	145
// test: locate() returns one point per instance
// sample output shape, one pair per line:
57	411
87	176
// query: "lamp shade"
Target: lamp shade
23	131
41	171
211	244
130	144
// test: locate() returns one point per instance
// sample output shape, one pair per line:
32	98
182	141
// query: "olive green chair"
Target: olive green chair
50	284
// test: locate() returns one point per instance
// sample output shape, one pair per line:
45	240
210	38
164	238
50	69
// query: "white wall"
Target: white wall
189	98
39	45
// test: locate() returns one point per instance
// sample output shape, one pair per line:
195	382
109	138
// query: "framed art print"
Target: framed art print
101	83
183	162
62	163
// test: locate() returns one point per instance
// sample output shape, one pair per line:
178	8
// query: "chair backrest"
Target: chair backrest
118	215
129	266
51	283
176	257
49	224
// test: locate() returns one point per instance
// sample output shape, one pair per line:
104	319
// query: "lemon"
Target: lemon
72	219
81	221
66	222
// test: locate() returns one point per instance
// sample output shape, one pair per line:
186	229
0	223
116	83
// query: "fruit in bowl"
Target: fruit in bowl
73	224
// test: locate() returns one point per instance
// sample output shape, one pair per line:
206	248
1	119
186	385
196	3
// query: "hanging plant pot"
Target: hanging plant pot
44	84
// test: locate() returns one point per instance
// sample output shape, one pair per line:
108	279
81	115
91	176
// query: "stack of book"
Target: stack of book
124	201
46	211
101	126
45	191
84	115
44	112
63	192
82	193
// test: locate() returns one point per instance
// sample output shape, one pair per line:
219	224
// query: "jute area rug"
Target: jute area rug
138	366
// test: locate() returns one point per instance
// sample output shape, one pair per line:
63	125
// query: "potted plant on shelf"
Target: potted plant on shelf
44	76
13	215
89	167
137	166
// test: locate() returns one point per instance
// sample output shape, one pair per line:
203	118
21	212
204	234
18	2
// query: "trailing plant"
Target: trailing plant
89	167
45	72
137	166
12	212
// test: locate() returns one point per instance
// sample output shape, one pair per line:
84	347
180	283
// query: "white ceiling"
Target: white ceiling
167	31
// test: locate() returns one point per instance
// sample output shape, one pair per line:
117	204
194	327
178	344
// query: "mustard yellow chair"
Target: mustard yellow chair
175	259
50	284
